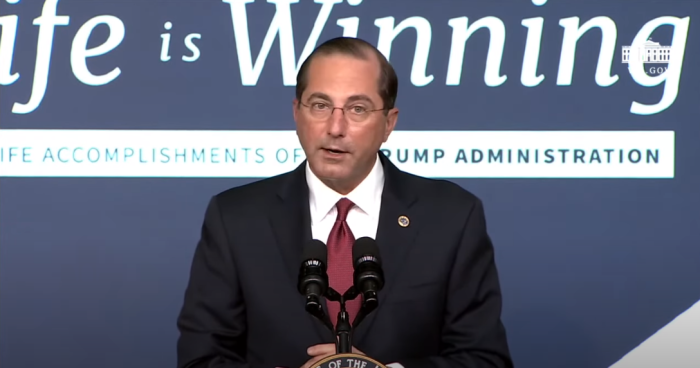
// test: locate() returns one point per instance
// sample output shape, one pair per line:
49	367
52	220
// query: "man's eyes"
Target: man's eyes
357	109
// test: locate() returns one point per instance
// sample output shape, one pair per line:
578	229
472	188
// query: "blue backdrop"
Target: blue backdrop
119	119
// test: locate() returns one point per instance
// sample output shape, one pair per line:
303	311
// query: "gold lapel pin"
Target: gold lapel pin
403	221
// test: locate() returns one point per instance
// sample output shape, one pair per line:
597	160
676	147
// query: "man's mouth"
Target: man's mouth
334	150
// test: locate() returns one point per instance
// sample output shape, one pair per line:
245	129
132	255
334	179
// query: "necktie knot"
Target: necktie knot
344	205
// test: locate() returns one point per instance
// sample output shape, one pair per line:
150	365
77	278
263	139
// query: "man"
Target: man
441	303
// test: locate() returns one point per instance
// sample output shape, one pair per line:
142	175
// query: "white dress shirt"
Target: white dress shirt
363	218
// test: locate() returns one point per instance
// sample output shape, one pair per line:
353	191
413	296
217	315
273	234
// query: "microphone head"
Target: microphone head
315	250
313	280
368	277
364	249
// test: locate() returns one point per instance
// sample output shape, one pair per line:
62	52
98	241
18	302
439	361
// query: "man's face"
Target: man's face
342	147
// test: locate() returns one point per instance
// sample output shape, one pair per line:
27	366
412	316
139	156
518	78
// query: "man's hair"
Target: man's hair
355	47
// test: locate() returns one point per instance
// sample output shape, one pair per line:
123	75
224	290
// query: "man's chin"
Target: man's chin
331	173
329	170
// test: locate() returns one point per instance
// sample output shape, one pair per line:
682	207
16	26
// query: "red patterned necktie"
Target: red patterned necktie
340	270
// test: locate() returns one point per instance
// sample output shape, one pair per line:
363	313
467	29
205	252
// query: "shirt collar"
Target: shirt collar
366	196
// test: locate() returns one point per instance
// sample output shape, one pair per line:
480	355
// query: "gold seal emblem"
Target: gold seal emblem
403	221
348	361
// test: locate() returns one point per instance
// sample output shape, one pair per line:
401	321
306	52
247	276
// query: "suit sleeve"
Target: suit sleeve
473	335
212	318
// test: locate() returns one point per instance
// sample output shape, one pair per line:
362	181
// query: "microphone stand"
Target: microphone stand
343	328
315	308
369	304
343	331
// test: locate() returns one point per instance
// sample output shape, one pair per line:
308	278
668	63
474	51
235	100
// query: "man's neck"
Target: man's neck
345	186
342	187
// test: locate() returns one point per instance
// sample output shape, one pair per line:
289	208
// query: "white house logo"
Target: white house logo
649	52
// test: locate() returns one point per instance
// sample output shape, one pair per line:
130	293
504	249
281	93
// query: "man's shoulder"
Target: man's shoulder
441	192
252	194
443	204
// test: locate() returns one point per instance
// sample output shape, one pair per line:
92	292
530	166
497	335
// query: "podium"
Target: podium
348	361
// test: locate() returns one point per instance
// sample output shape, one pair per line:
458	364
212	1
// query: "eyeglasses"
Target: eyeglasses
355	113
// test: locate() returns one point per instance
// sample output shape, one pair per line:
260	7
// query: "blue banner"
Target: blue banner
576	122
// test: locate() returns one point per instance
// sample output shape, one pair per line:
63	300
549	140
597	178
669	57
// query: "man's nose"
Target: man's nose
337	124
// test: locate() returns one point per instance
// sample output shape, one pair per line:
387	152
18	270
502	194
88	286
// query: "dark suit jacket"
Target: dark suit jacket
440	306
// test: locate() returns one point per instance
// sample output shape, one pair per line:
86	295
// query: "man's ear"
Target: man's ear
391	118
295	108
295	114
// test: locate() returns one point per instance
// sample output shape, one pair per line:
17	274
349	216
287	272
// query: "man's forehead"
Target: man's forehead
365	68
349	98
343	77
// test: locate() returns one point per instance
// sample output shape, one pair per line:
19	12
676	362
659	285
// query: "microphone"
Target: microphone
368	275
313	279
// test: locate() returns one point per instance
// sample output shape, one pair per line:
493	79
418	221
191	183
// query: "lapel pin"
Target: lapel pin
403	221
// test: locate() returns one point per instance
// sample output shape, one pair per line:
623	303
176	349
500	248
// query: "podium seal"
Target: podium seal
348	361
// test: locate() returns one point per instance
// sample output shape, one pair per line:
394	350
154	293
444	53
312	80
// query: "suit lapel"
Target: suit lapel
394	241
291	223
